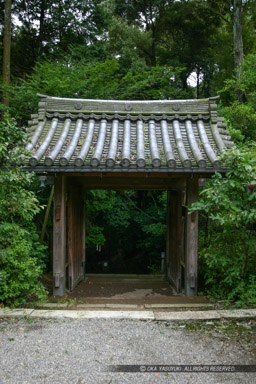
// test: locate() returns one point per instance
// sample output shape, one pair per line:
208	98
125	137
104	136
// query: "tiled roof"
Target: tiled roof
105	134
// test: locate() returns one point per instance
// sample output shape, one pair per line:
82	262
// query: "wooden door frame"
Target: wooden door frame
173	236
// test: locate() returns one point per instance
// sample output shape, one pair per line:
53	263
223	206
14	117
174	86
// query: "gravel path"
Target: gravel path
79	351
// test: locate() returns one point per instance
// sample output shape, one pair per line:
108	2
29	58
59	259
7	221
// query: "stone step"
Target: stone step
124	306
134	315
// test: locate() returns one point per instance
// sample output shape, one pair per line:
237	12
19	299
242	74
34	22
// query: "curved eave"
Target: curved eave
120	169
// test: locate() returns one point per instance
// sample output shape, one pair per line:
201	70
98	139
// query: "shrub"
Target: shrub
227	257
20	271
21	255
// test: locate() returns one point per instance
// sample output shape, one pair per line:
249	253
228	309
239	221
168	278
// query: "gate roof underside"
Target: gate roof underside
79	135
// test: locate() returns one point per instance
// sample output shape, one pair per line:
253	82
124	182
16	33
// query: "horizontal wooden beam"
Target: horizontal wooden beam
142	175
127	183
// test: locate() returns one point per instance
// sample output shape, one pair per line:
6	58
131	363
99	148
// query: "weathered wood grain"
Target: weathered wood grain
174	238
59	236
191	239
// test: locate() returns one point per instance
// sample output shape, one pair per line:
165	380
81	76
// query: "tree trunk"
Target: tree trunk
41	27
7	50
197	82
238	36
153	47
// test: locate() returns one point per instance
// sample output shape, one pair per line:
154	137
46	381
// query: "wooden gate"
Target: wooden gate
76	236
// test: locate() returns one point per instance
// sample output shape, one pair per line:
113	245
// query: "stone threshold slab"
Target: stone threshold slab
184	305
123	306
206	315
136	315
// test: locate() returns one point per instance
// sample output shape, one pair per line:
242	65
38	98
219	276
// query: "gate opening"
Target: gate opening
125	232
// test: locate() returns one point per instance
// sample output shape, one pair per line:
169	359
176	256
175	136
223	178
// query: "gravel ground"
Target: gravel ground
79	351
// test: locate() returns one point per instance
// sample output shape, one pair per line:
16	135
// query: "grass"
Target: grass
242	331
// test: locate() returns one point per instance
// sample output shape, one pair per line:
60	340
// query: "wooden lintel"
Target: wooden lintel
128	175
129	183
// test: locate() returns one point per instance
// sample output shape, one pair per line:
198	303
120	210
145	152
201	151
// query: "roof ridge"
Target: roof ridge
160	101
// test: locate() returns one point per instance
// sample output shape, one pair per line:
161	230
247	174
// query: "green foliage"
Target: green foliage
98	202
94	80
65	79
157	83
241	119
242	116
22	258
154	268
194	35
19	266
227	255
129	226
54	29
10	135
95	236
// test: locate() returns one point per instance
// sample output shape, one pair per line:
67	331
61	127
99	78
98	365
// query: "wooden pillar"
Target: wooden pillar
174	238
76	236
59	236
83	237
191	239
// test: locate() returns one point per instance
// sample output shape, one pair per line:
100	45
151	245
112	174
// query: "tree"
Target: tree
238	36
180	34
143	14
7	51
58	30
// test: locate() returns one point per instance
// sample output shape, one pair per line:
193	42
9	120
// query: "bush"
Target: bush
21	256
20	271
241	119
227	258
